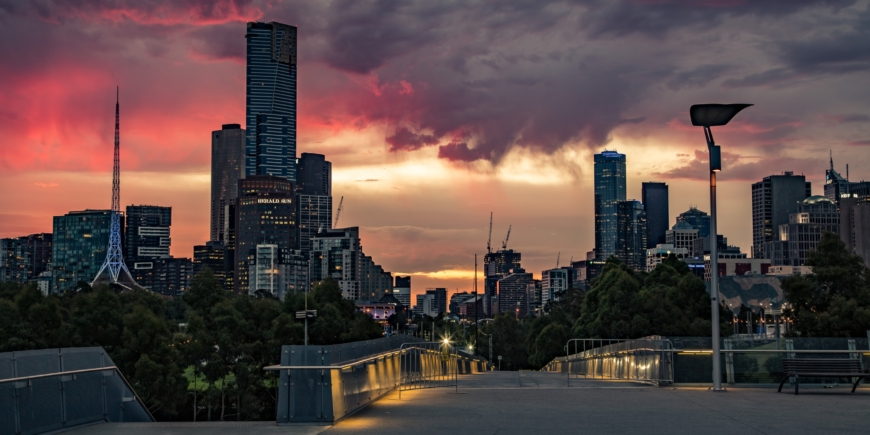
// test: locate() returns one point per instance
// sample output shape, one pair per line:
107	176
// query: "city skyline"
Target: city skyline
392	168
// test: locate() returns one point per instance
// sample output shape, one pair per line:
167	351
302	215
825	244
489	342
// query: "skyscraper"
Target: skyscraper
265	214
855	227
271	100
655	201
697	219
314	197
146	239
227	168
837	187
814	216
24	258
631	233
336	253
774	198
609	190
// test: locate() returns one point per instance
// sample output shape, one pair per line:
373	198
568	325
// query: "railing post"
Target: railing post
729	361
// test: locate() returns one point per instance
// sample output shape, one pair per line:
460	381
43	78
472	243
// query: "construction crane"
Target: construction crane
504	244
558	256
489	239
338	212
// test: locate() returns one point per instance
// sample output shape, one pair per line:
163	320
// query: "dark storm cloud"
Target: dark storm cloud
737	168
404	139
162	12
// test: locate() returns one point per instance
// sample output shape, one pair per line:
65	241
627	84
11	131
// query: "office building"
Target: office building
227	168
682	236
439	299
270	114
314	197
265	214
497	265
661	252
631	233
458	299
172	276
655	203
736	264
277	272
855	227
554	282
609	190
79	243
214	256
837	187
815	216
697	219
336	253
375	282
24	259
146	239
472	308
425	306
533	292
774	198
402	290
513	293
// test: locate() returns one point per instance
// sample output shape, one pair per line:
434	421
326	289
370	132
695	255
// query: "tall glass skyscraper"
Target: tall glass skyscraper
609	190
655	203
270	144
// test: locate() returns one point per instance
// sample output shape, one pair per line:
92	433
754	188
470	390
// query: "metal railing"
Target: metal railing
37	395
646	360
313	389
655	360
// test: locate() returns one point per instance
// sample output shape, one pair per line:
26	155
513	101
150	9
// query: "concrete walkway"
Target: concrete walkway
540	403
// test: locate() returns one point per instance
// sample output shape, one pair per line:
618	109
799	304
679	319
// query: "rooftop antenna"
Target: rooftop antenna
489	239
847	172
831	154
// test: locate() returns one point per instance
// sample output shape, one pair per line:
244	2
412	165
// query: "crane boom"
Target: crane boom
558	257
489	238
338	212
504	244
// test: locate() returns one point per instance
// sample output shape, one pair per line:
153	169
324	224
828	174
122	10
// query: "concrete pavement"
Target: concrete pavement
540	402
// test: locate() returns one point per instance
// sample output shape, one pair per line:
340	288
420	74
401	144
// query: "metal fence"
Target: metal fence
50	389
322	384
746	360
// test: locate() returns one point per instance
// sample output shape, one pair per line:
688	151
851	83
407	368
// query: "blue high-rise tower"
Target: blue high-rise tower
270	144
609	190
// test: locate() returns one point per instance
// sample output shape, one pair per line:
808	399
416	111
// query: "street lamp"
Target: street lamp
709	115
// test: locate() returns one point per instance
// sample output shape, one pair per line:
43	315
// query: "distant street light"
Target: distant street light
709	115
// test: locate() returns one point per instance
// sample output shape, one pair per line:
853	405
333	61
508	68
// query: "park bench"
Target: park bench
822	368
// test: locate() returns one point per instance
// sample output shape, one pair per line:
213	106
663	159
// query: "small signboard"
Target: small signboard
310	314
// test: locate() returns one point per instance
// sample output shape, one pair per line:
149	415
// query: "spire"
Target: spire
831	153
114	265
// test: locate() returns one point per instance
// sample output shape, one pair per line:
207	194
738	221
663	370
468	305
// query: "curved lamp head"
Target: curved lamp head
709	115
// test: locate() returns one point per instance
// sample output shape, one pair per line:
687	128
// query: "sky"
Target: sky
435	114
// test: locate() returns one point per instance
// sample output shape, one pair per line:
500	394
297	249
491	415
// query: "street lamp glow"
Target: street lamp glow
709	115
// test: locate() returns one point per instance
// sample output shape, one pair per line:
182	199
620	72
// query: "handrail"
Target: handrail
344	365
75	372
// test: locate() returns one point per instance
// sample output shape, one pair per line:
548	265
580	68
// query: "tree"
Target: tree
834	301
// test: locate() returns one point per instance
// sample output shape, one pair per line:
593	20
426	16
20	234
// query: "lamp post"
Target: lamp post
709	115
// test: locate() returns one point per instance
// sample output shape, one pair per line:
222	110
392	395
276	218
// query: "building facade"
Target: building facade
654	196
277	272
682	236
554	282
214	256
402	290
24	259
609	190
147	238
838	187
265	214
79	243
697	219
375	282
513	293
855	227
172	276
227	168
439	299
816	215
661	252
774	198
631	234
314	197
336	254
270	114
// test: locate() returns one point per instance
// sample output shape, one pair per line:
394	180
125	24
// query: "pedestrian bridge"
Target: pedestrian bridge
403	384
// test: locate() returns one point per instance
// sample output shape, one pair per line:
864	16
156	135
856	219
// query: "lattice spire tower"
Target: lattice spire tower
114	271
